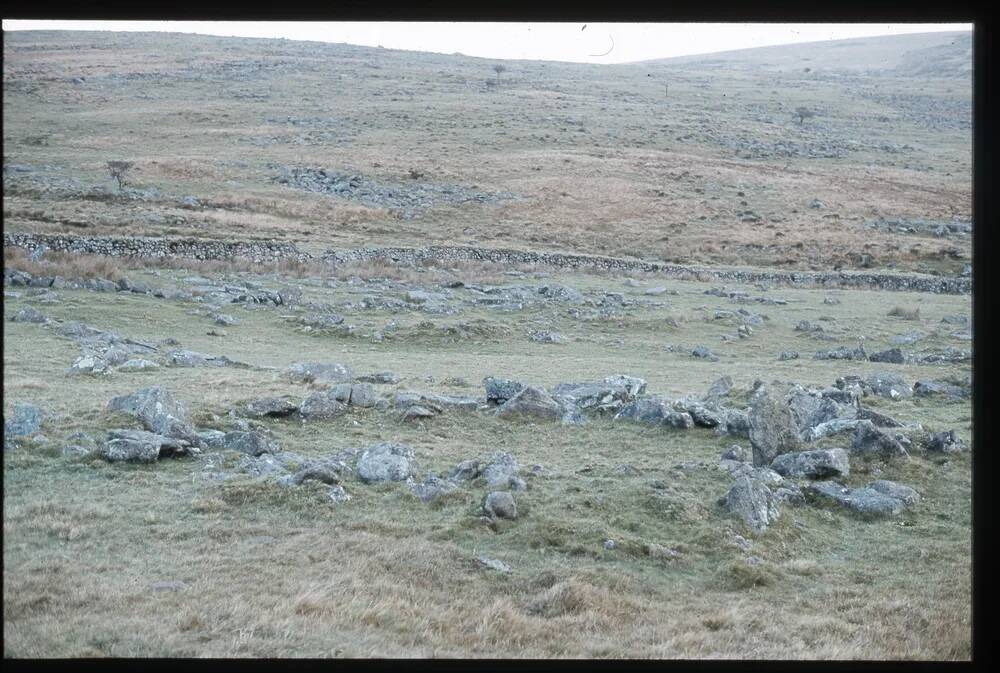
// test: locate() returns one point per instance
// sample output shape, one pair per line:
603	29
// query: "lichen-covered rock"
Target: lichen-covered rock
772	428
433	487
531	402
159	411
888	385
650	410
753	502
892	356
501	470
321	406
363	395
500	505
877	500
24	422
140	446
309	372
870	442
945	442
817	464
611	394
250	443
272	407
31	315
186	358
499	390
386	461
416	412
467	470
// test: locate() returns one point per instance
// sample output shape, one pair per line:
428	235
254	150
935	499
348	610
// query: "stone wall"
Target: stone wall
443	255
269	251
190	248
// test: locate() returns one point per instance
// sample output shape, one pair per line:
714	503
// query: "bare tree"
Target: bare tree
804	113
119	171
499	69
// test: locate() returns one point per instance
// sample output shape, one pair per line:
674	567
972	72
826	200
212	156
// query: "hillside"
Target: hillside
336	145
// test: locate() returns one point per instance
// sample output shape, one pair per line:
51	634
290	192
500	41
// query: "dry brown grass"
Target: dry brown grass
906	313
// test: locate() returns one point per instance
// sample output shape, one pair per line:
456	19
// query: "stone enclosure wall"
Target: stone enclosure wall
270	251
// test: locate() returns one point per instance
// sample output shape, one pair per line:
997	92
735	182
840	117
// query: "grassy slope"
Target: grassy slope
604	162
273	572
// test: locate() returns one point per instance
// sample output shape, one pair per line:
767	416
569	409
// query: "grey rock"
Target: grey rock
929	388
704	353
321	405
772	428
432	488
831	427
140	446
888	385
137	365
467	470
650	410
416	412
500	505
720	388
531	402
843	353
309	372
494	564
870	502
385	461
499	390
159	411
31	315
945	442
337	494
264	465
325	471
737	453
379	377
547	337
678	419
788	355
608	395
248	442
609	545
186	358
25	421
870	442
817	464
501	469
363	395
753	502
892	356
271	407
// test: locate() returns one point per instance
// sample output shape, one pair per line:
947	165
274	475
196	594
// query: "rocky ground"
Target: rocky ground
597	465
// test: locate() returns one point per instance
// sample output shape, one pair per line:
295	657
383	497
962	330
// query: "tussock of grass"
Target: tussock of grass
905	313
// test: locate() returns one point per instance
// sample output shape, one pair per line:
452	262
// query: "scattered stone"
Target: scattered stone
753	502
500	505
140	446
945	442
337	494
26	421
432	488
248	442
931	388
159	411
416	412
878	500
704	353
547	337
309	372
843	353
499	391
892	356
501	470
363	395
720	388
531	402
494	564
30	314
817	464
888	385
655	291
137	365
870	442
385	461
608	395
737	453
271	407
467	470
321	406
185	358
772	428
609	545
788	355
379	377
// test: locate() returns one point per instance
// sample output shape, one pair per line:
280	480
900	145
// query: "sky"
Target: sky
574	42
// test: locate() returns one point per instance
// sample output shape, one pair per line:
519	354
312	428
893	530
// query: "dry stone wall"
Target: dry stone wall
269	251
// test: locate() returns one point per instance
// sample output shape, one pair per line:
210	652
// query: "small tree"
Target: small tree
803	113
499	69
119	171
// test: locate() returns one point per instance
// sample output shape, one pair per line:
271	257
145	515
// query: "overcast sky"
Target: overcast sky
578	42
